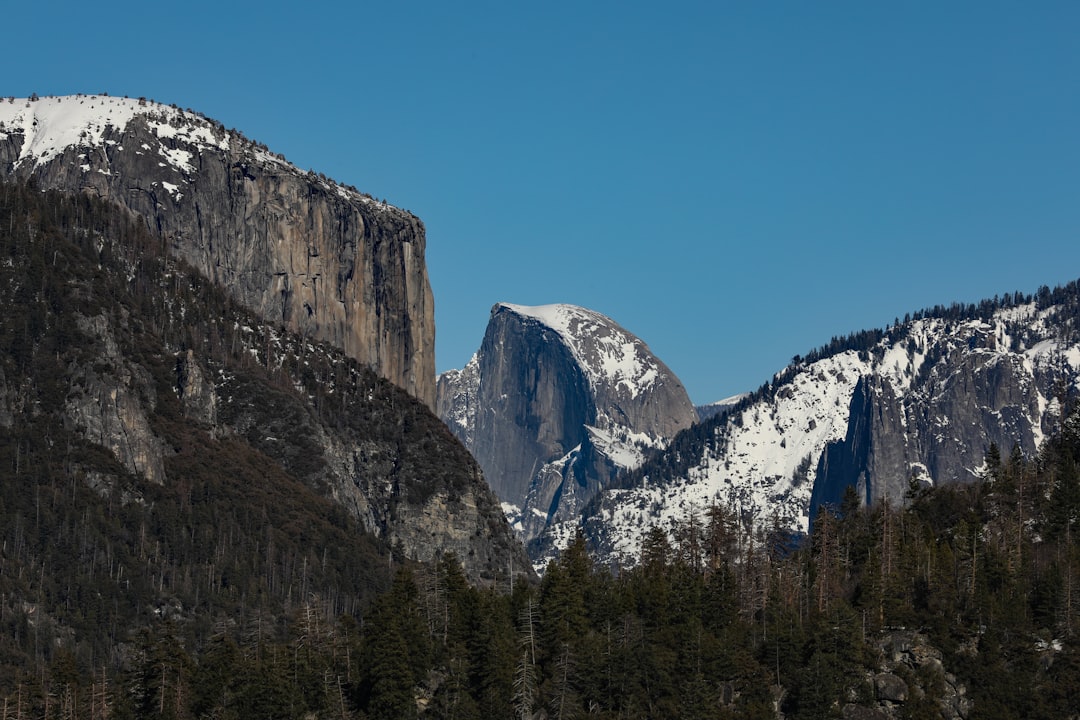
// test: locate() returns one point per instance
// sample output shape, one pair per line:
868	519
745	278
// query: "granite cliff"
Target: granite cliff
138	373
984	386
318	258
556	402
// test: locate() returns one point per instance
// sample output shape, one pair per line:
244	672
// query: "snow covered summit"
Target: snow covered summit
319	257
558	400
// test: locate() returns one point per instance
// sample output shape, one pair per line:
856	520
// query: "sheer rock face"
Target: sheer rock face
939	430
318	258
556	402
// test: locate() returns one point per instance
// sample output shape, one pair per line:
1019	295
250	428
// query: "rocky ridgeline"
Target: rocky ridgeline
977	383
922	402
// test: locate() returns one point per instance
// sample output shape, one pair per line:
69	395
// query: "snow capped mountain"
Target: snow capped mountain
557	401
51	125
923	400
322	258
715	408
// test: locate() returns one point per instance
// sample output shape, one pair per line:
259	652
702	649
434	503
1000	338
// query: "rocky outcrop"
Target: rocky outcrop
111	401
456	400
910	671
557	401
973	396
303	252
195	390
876	470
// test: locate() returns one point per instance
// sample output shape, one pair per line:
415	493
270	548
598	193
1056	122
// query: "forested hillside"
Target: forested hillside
171	473
962	605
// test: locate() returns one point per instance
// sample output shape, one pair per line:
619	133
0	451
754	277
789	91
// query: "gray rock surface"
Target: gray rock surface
890	688
909	654
318	258
111	402
557	401
975	395
456	399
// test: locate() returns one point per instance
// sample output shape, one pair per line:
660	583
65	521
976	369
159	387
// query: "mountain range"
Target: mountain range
571	418
224	490
920	403
568	435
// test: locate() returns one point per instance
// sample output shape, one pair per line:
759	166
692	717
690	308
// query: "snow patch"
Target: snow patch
50	126
607	353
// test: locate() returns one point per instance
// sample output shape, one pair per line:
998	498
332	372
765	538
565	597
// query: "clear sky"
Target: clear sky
735	183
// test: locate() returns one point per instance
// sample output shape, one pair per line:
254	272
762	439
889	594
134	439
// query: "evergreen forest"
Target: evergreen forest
716	621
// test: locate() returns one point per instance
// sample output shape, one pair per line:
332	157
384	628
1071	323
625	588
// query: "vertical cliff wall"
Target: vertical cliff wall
975	395
316	257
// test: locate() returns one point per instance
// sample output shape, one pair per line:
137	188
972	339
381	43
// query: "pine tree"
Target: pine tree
388	678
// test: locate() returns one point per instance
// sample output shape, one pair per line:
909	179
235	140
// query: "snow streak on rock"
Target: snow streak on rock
610	355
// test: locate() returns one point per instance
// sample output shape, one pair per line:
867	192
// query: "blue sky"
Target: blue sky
733	182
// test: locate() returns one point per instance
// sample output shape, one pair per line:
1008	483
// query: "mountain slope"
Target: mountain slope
322	259
558	400
924	400
136	378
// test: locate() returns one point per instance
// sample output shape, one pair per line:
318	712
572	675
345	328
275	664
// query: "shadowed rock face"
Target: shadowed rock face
532	406
940	431
556	402
301	251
